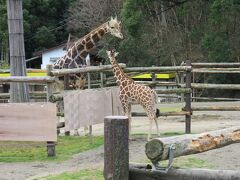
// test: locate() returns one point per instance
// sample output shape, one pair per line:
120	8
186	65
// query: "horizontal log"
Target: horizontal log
216	65
173	91
216	99
86	69
158	69
168	96
158	149
33	95
28	79
143	114
28	70
216	70
216	108
141	172
215	86
150	83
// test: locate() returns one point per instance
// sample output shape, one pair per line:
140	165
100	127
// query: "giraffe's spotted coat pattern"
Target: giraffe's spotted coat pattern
75	56
131	92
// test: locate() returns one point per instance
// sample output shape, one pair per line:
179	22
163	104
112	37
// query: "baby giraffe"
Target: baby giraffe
131	92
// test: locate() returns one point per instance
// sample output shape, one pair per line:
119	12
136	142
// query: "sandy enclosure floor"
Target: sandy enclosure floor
223	158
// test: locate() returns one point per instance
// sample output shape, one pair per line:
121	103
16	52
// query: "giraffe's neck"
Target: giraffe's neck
118	73
75	56
89	41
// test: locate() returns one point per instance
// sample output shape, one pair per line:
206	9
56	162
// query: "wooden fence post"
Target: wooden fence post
66	82
89	87
188	100
51	149
116	152
66	87
49	85
154	79
19	92
101	78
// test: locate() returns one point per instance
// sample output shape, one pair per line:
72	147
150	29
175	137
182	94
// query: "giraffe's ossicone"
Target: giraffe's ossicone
131	92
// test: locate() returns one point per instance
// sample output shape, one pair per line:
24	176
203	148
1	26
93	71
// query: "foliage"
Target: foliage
44	37
83	174
32	151
222	31
4	65
156	32
44	23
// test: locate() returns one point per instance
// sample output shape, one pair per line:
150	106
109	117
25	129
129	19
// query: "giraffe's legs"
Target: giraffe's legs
129	119
151	113
127	111
150	129
158	132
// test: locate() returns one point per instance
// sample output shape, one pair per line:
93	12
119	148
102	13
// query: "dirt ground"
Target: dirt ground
223	158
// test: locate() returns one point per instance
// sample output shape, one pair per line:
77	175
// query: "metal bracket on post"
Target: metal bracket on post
170	160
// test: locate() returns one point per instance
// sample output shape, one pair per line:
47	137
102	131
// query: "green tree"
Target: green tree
221	39
3	34
44	37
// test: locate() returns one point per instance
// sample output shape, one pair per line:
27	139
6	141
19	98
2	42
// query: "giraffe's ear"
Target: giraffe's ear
115	54
108	53
111	18
108	24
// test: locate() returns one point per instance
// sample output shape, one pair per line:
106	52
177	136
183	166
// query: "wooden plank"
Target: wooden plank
28	122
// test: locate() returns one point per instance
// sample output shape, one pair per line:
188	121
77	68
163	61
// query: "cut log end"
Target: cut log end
154	150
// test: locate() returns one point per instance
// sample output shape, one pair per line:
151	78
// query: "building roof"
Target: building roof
40	53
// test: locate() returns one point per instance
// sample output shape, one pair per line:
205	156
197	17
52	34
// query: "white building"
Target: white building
49	56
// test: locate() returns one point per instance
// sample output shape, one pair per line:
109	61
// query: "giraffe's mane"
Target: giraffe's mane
127	76
94	30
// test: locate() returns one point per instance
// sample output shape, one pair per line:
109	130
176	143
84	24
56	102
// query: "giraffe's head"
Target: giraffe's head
114	27
112	54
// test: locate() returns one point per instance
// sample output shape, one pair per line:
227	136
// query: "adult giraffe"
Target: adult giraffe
76	54
131	92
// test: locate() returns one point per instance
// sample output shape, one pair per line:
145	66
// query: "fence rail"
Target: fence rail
158	69
43	80
215	86
101	68
215	65
33	95
216	70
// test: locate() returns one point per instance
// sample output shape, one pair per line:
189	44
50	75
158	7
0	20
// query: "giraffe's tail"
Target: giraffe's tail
156	97
157	112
